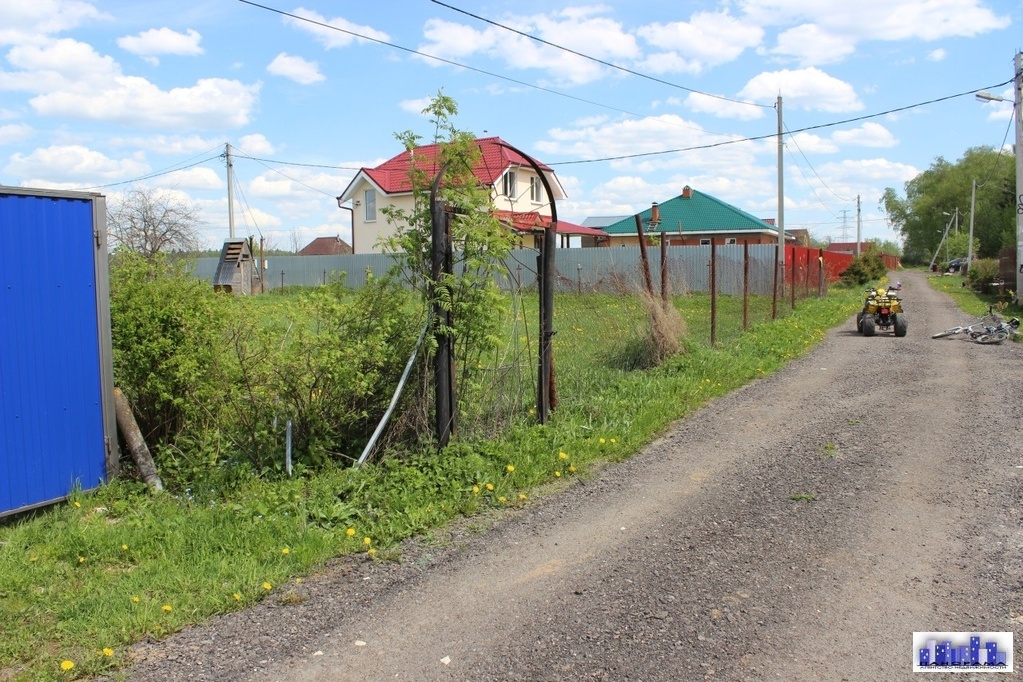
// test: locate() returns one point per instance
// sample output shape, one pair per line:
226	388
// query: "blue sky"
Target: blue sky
100	94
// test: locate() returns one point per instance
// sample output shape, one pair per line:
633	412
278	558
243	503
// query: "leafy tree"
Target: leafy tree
920	216
152	221
480	242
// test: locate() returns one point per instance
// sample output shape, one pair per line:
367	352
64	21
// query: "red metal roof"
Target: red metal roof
392	176
531	220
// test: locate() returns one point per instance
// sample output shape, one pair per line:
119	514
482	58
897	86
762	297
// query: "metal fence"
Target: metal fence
601	269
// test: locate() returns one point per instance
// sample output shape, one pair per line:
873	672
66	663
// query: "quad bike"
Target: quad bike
882	310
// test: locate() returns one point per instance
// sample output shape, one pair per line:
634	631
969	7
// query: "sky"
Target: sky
627	101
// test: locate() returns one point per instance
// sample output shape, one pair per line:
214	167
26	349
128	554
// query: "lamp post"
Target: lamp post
1017	91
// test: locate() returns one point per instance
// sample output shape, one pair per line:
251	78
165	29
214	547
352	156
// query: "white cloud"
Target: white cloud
296	68
937	55
14	132
194	178
810	89
723	108
577	29
75	164
31	21
707	39
867	135
255	143
812	44
158	41
809	143
74	81
414	106
850	23
325	30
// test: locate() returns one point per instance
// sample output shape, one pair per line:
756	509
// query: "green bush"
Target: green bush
866	267
168	350
982	272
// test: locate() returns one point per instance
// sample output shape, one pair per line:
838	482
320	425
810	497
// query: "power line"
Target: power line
770	135
450	62
597	60
172	169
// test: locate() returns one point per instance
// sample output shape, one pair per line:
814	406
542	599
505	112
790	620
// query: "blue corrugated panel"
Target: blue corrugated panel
51	411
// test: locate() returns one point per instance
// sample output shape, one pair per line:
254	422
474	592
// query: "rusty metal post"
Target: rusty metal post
643	257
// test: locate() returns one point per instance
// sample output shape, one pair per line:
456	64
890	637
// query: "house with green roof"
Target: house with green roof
692	219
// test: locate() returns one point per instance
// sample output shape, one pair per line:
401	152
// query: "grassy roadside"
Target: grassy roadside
81	582
971	302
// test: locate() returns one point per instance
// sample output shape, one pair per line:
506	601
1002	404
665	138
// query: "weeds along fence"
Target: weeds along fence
603	318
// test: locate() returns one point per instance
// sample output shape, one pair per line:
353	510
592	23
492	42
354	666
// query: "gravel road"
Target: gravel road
692	560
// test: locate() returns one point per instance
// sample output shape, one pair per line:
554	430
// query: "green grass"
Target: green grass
972	303
83	580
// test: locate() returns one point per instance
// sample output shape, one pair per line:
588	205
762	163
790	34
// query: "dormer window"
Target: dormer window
509	185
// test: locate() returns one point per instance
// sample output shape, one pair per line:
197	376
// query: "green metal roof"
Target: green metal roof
699	213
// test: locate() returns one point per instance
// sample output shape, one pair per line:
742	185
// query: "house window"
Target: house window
704	242
730	240
535	190
370	200
509	184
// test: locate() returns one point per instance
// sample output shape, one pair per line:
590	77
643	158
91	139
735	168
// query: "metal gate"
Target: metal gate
57	426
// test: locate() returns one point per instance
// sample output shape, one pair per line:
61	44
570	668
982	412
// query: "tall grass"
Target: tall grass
81	581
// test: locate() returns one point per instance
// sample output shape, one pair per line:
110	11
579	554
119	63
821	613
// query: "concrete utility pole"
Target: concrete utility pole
859	238
230	190
781	192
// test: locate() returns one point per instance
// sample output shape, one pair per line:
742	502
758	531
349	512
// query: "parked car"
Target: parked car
956	264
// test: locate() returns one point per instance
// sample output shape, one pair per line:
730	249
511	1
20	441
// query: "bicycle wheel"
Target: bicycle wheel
947	332
993	337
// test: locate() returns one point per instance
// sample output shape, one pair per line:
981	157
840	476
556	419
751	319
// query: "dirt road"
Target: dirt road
799	529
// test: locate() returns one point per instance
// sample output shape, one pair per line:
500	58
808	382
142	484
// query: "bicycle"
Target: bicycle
989	329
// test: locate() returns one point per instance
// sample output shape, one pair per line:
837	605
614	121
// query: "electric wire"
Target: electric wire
156	174
443	60
597	60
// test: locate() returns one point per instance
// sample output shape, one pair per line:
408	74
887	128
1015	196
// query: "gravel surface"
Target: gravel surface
692	560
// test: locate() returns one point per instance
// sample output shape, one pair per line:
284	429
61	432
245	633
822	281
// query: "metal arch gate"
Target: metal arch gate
57	425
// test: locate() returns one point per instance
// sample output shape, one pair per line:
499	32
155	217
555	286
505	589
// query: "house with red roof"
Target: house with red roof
517	193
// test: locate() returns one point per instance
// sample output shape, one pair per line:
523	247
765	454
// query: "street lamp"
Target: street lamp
1017	91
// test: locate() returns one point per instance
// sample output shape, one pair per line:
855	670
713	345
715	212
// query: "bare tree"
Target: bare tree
151	221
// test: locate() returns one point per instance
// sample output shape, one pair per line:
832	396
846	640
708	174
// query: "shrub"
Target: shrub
167	344
982	272
866	267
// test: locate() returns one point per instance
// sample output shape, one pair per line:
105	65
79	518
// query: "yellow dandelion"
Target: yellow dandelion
350	532
81	560
135	599
77	506
67	665
167	608
124	548
562	455
614	440
285	551
371	551
502	498
237	597
521	496
267	586
557	474
509	468
367	541
35	558
571	470
490	487
475	490
107	651
532	410
602	441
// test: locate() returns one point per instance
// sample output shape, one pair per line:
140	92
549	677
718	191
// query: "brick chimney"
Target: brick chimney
687	192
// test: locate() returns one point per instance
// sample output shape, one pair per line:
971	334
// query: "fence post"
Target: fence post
774	296
579	278
282	280
713	295
745	285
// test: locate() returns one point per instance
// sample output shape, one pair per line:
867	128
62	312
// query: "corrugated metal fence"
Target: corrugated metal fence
57	428
602	269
